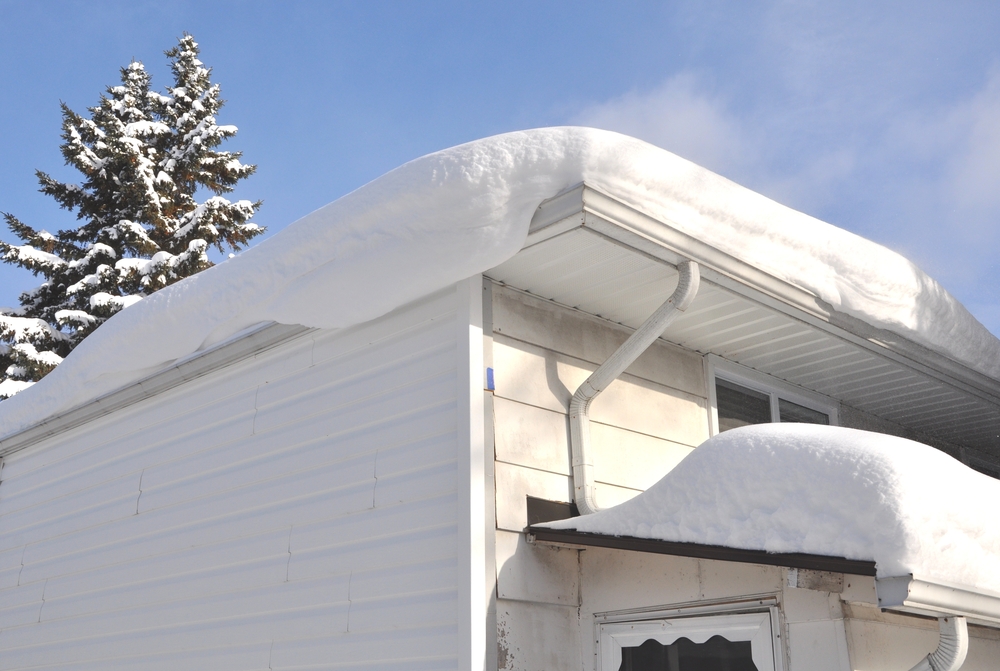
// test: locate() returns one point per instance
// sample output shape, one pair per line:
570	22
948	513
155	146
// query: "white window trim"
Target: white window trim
733	372
753	627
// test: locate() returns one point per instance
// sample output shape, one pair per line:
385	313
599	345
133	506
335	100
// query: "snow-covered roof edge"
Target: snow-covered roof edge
826	491
463	210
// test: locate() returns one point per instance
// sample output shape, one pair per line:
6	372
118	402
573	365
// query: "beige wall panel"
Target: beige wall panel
543	323
875	646
720	579
818	646
547	379
806	605
536	573
535	376
616	580
514	483
984	650
530	436
653	409
631	459
537	637
878	641
859	588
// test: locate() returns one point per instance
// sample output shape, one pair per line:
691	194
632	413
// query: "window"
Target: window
732	642
741	396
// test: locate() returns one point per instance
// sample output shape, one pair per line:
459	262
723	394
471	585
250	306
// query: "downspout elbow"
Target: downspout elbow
953	646
579	408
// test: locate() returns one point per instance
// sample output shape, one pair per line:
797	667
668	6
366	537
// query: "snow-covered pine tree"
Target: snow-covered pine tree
144	157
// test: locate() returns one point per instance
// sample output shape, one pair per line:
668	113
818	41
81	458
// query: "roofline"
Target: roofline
241	346
581	539
583	206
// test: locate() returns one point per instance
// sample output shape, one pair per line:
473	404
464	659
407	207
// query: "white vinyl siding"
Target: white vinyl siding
297	509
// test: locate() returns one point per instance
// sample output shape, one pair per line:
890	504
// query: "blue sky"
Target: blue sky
882	118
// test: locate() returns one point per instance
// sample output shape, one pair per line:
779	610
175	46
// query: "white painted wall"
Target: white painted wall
302	508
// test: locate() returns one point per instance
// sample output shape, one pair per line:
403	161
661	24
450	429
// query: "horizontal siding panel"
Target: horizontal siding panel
264	551
386	581
427	543
30	646
10	566
330	530
417	648
247	602
68	520
270	501
430	607
253	657
374	411
21	604
396	430
139	425
211	427
409	486
194	524
321	474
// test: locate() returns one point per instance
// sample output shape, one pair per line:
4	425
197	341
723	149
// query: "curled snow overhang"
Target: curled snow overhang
819	497
468	209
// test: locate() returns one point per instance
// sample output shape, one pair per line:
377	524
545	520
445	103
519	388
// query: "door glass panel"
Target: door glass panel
793	412
739	406
715	654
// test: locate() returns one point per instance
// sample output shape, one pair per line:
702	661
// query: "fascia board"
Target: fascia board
242	346
603	214
935	599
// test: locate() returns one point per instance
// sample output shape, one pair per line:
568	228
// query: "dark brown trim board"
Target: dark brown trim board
790	560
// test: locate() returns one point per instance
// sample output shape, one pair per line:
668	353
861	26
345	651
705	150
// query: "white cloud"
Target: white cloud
681	116
920	176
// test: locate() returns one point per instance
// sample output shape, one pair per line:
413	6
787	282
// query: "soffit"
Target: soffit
600	265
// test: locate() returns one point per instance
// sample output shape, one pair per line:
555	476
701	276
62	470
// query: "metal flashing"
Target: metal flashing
243	345
580	539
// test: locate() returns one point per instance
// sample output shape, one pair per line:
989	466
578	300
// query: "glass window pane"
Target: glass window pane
739	406
793	412
715	654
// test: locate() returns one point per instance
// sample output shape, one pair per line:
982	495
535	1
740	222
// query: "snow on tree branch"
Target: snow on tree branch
144	157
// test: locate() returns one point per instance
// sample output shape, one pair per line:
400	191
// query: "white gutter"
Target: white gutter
952	648
907	594
608	372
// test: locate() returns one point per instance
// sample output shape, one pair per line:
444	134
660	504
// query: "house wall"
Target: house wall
549	598
293	510
888	640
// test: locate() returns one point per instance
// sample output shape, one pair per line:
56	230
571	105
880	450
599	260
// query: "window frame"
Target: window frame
776	389
760	628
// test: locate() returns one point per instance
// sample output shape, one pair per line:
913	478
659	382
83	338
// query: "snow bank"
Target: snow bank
826	491
457	212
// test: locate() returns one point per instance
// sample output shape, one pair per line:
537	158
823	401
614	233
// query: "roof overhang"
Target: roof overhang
589	251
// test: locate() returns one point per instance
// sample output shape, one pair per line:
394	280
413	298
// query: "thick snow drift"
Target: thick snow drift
826	491
458	212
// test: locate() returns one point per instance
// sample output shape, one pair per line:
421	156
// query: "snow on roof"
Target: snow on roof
825	491
458	212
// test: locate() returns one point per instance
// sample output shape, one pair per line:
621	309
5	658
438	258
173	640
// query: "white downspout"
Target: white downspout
631	349
952	647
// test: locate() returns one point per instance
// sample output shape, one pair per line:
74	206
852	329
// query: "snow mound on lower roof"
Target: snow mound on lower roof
826	491
452	214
